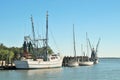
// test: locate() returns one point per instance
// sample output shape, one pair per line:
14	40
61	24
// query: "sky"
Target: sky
99	18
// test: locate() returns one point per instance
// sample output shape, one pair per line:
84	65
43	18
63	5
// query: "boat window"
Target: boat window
52	57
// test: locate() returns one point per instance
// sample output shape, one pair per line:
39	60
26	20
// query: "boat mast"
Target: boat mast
46	35
74	41
82	51
87	45
33	31
97	47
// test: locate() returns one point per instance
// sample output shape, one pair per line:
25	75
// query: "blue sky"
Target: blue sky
99	18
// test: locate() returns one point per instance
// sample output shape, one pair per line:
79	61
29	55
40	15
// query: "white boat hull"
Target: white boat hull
26	64
73	64
86	63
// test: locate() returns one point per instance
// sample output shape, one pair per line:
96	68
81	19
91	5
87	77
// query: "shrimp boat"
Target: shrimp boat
86	63
94	56
73	62
83	62
32	58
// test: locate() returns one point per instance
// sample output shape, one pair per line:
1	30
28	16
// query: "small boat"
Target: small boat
94	56
86	63
73	62
32	58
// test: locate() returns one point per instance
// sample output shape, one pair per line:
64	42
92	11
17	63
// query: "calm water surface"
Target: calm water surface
107	69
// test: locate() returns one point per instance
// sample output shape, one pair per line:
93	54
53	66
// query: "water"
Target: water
107	69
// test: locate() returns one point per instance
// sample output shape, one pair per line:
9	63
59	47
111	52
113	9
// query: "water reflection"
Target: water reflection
44	71
36	74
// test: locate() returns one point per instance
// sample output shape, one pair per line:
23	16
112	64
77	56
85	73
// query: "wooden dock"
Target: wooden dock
7	67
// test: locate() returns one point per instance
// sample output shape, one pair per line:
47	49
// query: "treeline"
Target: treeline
9	54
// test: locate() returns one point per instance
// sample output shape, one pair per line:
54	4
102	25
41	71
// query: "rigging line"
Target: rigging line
54	40
24	29
38	31
39	37
87	44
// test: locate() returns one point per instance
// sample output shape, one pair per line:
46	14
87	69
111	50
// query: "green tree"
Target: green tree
50	51
3	55
11	56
